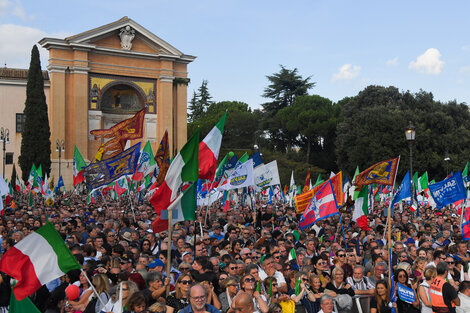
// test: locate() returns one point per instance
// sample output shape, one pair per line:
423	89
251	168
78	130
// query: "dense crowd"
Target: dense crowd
244	259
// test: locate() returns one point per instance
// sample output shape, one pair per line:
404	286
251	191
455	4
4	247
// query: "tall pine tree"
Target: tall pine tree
35	143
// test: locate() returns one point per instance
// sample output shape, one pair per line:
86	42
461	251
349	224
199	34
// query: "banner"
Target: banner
403	191
302	200
406	294
322	205
107	171
132	128
382	173
448	191
266	175
241	177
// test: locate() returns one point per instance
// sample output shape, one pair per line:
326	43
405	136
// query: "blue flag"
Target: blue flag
106	171
448	190
256	157
403	191
271	194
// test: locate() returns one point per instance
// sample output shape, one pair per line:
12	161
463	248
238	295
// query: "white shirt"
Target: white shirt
464	306
278	275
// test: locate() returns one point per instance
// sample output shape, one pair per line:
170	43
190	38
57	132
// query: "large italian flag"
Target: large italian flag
184	168
209	150
36	260
361	208
78	165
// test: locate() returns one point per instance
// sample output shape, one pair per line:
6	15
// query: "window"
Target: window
20	118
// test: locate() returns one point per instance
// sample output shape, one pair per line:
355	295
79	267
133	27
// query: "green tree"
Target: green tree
314	119
35	143
283	88
374	124
240	126
13	177
204	97
195	109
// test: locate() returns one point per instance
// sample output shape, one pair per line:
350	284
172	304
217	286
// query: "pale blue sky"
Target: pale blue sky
344	45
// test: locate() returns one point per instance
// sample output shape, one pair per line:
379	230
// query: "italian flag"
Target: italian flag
361	208
36	260
121	186
32	177
292	255
78	165
209	150
184	168
184	207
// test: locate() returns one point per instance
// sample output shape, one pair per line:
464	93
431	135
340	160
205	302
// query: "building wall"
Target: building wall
12	100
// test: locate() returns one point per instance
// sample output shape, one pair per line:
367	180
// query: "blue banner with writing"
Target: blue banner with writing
106	171
448	191
405	293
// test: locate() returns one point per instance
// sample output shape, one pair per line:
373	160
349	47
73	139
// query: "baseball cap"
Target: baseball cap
155	263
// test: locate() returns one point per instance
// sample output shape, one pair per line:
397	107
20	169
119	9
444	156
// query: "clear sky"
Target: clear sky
344	45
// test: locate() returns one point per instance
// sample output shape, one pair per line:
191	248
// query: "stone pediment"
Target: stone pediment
122	36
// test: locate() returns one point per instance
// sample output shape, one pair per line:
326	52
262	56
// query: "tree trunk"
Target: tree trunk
309	147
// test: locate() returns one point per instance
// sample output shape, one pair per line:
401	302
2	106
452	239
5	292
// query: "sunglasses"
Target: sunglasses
450	262
249	280
186	282
304	279
341	255
233	268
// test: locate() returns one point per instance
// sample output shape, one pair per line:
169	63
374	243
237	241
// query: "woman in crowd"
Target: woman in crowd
321	270
317	290
452	270
381	300
136	303
418	267
401	276
86	293
247	284
423	289
178	299
101	283
230	286
303	298
114	305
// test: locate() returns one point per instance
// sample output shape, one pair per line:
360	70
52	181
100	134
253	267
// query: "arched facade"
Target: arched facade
105	75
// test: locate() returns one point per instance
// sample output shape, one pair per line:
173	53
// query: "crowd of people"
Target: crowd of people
245	260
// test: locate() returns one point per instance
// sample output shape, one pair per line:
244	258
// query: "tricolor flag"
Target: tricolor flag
292	255
209	150
78	165
322	205
292	188
361	209
184	168
39	258
32	177
184	207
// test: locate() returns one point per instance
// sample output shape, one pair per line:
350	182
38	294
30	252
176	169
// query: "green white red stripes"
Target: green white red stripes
209	150
184	207
361	208
36	260
184	168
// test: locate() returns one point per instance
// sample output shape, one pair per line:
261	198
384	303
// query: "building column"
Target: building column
165	109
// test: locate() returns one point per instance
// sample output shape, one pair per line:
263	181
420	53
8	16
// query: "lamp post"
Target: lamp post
410	134
5	138
447	159
60	147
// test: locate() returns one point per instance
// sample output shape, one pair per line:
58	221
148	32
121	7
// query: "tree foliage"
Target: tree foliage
373	129
199	102
240	126
283	89
314	120
35	144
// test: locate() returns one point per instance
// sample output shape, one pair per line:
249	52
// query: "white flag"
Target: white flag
241	177
266	175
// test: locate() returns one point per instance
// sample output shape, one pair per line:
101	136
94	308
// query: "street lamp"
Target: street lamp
410	134
5	138
447	159
60	147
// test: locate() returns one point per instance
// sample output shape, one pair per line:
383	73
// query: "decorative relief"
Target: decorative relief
126	34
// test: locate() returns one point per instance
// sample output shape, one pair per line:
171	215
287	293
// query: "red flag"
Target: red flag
302	200
322	205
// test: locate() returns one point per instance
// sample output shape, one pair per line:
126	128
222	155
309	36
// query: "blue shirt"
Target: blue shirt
209	308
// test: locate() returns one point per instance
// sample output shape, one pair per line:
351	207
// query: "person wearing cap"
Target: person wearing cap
156	265
439	243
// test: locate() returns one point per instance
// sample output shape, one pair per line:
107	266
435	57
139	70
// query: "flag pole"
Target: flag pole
168	255
341	223
93	287
389	226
